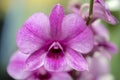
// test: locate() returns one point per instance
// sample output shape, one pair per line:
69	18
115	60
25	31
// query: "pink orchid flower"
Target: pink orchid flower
98	68
55	42
100	11
102	42
16	70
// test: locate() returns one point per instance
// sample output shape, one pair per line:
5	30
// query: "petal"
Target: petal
35	60
56	18
105	53
55	62
16	66
101	2
74	6
76	60
83	43
101	11
101	63
61	76
32	78
112	48
34	33
100	30
72	25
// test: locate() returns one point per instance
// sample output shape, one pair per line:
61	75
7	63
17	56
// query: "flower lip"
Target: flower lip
55	49
55	46
45	76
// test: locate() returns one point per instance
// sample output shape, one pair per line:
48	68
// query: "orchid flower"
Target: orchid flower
98	68
102	43
100	11
57	41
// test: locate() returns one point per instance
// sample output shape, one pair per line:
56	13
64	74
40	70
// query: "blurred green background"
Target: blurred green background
13	14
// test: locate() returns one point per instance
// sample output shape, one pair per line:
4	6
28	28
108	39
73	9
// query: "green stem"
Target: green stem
90	12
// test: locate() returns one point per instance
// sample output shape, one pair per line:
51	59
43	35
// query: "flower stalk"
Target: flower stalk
90	12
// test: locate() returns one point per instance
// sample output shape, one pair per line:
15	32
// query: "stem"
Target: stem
90	12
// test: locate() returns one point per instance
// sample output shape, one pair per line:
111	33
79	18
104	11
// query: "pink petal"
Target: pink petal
32	78
112	48
35	60
16	66
83	43
34	33
99	65
76	60
61	76
74	6
72	26
56	18
105	53
101	2
100	30
101	11
55	62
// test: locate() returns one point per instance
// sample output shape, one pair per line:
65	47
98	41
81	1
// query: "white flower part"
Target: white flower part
103	59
